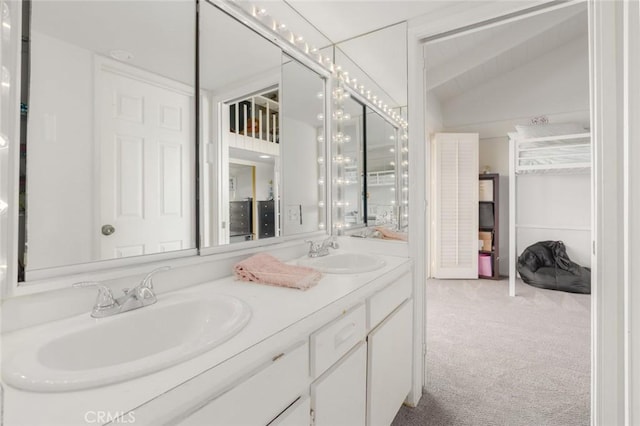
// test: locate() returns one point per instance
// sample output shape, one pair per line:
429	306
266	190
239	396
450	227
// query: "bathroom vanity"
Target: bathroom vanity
339	353
290	129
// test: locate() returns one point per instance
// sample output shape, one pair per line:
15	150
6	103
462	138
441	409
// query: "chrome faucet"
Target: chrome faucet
318	249
137	297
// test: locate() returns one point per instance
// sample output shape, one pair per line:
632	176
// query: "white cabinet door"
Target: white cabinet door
389	366
455	206
338	397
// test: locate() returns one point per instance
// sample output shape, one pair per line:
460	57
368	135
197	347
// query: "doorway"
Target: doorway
528	72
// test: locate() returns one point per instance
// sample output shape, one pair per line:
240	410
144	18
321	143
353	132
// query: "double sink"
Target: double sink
83	352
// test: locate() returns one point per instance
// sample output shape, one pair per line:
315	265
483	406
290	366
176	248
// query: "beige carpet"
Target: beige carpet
497	360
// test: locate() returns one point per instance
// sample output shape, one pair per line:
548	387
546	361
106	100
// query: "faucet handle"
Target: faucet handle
313	245
105	297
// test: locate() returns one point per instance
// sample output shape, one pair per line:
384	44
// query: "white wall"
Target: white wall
299	177
264	174
299	125
243	176
562	202
555	85
243	172
60	149
433	114
433	122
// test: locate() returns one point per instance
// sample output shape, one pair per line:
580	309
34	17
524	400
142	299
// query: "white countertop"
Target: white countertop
274	309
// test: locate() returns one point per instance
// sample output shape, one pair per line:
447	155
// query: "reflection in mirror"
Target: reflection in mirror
109	148
303	149
403	178
378	60
377	72
349	146
381	148
262	126
240	130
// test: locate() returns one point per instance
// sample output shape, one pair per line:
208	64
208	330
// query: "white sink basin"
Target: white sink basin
86	353
343	263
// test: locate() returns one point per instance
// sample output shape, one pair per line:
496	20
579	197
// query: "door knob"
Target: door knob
108	229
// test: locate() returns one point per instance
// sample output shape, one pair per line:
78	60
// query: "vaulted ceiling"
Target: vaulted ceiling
458	64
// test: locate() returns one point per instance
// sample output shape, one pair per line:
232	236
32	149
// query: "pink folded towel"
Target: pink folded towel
388	234
266	269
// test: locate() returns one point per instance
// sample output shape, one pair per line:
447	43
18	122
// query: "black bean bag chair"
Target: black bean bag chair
546	265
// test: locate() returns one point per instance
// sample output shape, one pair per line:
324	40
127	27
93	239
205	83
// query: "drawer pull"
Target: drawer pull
345	334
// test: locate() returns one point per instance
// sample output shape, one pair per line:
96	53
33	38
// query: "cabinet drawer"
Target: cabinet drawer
263	394
335	339
296	415
381	304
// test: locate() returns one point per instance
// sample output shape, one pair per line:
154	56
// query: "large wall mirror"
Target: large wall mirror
303	149
262	126
108	144
349	148
117	152
382	177
370	159
240	75
377	66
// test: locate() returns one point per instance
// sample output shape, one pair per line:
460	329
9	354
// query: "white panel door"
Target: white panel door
455	226
389	367
146	155
338	397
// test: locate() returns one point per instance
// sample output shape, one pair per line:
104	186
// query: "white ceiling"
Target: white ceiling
456	65
160	36
345	19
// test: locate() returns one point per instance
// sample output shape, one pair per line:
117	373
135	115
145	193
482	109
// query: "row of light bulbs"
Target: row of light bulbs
339	115
298	41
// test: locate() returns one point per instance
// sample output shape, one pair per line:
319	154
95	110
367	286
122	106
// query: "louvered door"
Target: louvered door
455	226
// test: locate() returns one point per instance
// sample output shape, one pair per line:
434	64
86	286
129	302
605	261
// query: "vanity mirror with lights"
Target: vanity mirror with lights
222	142
262	123
381	171
371	170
